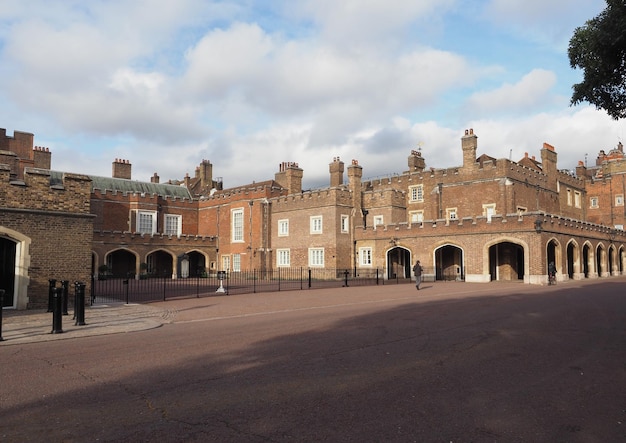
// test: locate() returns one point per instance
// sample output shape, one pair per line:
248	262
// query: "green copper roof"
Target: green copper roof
129	186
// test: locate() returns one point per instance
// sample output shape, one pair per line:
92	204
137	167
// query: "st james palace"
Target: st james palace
484	220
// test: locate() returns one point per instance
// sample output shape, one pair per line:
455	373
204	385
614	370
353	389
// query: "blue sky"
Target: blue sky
250	84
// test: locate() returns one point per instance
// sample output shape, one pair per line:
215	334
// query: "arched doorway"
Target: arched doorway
197	264
586	260
600	260
506	261
121	263
449	263
552	256
160	264
8	250
572	259
398	263
611	260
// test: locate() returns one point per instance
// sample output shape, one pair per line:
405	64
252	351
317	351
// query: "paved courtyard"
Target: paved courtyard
454	362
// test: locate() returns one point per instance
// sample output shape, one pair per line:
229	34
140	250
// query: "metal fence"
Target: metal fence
132	290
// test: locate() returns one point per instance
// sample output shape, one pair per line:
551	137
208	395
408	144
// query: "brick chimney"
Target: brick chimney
469	143
42	157
548	159
416	162
155	178
205	172
355	174
289	176
121	169
336	172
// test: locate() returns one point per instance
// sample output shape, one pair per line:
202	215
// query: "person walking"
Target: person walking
551	273
417	270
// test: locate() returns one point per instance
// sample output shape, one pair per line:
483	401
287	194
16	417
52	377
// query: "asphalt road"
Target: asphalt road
454	362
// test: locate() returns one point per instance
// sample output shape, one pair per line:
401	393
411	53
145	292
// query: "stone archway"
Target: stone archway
449	263
8	249
398	263
197	264
587	261
506	261
14	265
573	260
160	264
601	261
121	263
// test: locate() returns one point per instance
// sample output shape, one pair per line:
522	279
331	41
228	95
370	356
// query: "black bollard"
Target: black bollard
65	285
79	303
51	285
57	307
1	309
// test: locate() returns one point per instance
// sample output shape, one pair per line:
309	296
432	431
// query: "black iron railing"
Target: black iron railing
153	288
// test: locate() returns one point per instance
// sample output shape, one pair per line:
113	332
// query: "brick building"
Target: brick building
486	219
46	225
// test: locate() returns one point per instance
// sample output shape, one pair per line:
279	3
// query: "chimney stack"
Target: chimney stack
469	144
121	169
289	176
336	172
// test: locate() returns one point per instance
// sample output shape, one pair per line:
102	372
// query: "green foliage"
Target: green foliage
599	49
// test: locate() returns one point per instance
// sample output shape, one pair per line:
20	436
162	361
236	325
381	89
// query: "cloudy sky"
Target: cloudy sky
251	83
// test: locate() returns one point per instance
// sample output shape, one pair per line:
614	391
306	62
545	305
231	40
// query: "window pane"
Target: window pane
237	235
145	222
172	224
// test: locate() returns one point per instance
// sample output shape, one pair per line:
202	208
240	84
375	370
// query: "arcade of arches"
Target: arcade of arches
125	263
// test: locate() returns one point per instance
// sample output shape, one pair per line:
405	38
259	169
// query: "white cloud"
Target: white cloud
549	22
367	23
248	85
530	92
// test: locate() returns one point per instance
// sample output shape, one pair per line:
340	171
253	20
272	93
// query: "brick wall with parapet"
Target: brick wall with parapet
123	238
250	192
311	199
384	198
508	224
36	192
487	170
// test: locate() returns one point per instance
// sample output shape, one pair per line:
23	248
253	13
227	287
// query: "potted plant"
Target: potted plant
143	271
103	272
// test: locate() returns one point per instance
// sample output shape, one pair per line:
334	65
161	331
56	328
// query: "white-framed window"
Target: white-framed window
283	258
236	262
173	224
416	216
569	197
345	223
146	222
283	228
416	193
593	202
378	220
619	200
577	199
226	263
489	211
316	224
365	256
451	214
620	227
316	257
237	225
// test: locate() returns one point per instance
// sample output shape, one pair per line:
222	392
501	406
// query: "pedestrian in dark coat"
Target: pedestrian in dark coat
417	270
